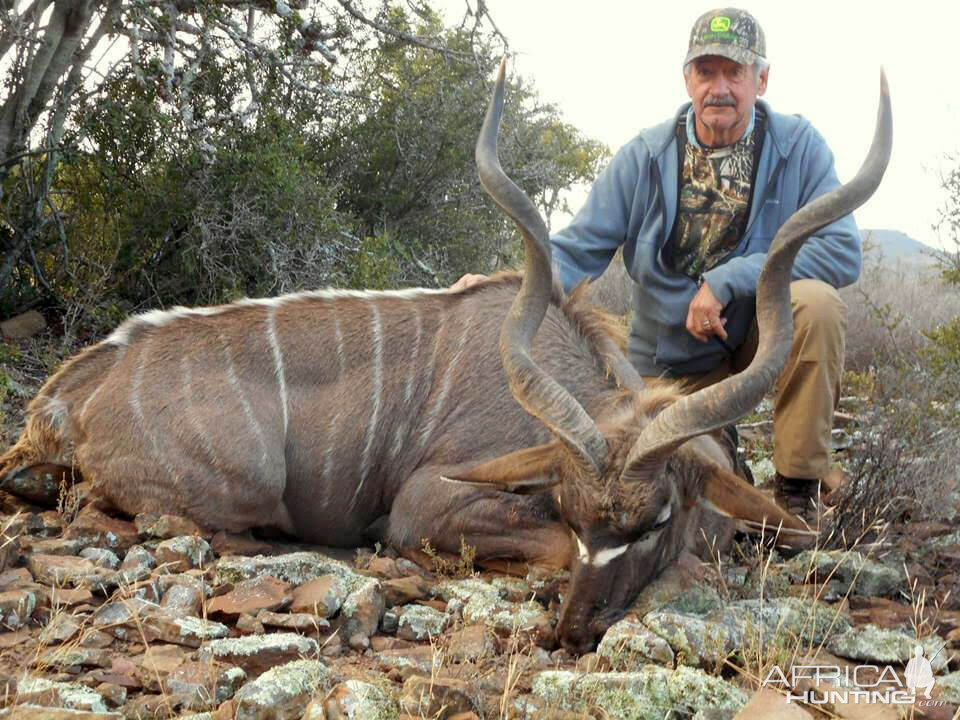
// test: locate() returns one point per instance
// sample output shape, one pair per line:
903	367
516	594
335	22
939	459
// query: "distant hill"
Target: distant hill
897	246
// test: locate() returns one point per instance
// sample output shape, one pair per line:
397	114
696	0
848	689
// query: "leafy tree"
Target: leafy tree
233	149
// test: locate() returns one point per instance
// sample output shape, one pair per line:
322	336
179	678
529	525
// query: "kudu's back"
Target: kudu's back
305	412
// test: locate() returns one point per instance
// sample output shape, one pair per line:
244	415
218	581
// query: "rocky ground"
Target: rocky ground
107	616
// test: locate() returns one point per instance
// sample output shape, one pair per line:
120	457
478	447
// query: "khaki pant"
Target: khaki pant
808	389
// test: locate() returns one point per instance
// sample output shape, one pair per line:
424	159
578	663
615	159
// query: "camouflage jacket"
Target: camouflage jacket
634	203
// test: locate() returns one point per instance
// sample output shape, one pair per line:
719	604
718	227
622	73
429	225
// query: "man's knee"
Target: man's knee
817	306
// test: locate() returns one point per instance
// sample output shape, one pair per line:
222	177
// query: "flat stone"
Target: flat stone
298	622
362	609
258	653
69	597
73	696
353	699
628	645
405	590
95	639
101	557
39	712
157	663
203	684
383	567
184	552
137	565
66	657
114	695
94	528
767	704
471	644
152	707
250	596
61	628
60	570
651	692
281	693
224	543
877	645
165	527
848	568
132	618
183	600
699	642
322	596
418	622
295	568
51	546
431	696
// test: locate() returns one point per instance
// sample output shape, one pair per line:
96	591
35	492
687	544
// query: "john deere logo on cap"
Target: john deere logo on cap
720	24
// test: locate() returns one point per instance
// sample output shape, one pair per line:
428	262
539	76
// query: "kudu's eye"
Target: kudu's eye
663	518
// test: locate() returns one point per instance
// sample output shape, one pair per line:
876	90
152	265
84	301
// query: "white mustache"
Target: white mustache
720	102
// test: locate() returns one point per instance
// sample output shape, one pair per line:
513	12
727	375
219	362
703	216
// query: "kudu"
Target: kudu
333	415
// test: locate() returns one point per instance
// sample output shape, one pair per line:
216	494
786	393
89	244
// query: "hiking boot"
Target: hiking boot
798	496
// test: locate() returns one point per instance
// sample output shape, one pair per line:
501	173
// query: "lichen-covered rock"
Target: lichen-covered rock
264	592
793	616
134	617
436	697
295	568
183	599
354	700
873	644
136	566
628	645
281	693
61	570
203	684
868	578
651	692
362	609
949	688
321	596
258	653
695	641
40	691
101	557
67	657
298	622
483	603
184	552
420	622
95	529
39	712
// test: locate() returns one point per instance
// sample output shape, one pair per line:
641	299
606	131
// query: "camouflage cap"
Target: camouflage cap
728	32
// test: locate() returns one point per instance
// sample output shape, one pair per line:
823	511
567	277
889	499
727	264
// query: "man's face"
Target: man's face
723	94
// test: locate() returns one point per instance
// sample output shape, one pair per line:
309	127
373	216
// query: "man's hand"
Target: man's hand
468	280
703	315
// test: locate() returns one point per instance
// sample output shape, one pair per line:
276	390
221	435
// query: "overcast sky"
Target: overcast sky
614	67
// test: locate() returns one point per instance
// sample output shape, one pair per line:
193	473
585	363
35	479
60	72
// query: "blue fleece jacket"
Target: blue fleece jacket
633	203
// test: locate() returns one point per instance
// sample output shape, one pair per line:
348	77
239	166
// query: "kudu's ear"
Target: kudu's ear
730	495
530	468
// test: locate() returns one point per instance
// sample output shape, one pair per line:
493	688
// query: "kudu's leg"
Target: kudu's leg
498	525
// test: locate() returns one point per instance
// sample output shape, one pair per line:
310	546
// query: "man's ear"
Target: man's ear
528	468
762	85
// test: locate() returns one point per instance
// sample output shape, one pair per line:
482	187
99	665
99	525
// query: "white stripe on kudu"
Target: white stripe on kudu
277	362
376	396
